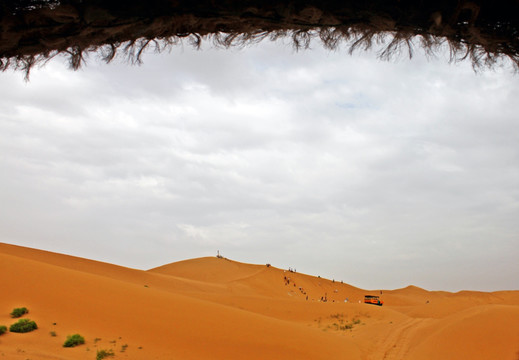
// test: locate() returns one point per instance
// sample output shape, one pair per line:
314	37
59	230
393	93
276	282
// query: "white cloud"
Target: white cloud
336	165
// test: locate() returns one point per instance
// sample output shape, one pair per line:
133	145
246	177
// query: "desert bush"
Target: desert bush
101	354
18	312
23	326
3	329
74	340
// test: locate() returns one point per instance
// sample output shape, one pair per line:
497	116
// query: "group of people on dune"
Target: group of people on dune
287	280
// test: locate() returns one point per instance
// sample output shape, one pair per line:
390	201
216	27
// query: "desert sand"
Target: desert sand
216	308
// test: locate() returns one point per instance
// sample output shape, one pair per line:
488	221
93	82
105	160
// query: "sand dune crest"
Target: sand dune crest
212	308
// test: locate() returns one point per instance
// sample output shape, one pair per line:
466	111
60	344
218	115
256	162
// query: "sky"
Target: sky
378	173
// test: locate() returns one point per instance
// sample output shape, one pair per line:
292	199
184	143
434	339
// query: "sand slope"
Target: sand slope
211	308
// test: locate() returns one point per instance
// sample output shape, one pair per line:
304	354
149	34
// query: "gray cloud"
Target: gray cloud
379	174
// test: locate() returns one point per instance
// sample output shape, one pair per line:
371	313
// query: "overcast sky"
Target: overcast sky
380	174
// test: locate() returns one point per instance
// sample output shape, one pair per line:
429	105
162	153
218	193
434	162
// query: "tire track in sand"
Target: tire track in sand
396	344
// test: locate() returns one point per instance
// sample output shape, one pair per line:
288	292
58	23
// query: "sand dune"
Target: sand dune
212	308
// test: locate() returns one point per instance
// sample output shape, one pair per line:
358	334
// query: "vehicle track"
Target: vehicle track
395	345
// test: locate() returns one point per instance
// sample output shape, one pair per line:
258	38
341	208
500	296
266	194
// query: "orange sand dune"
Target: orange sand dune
215	308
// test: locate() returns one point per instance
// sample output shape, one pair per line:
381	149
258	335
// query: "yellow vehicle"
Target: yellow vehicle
373	299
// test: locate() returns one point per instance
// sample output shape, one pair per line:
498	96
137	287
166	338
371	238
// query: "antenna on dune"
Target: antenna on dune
218	254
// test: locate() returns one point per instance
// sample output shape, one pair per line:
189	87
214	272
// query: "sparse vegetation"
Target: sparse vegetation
74	340
3	329
23	326
341	326
124	347
19	312
53	334
101	354
340	323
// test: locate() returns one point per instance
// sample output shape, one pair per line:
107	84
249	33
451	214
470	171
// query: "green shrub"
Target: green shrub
3	329
23	326
101	354
18	312
74	340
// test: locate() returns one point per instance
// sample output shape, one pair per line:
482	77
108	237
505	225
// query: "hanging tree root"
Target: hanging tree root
34	31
